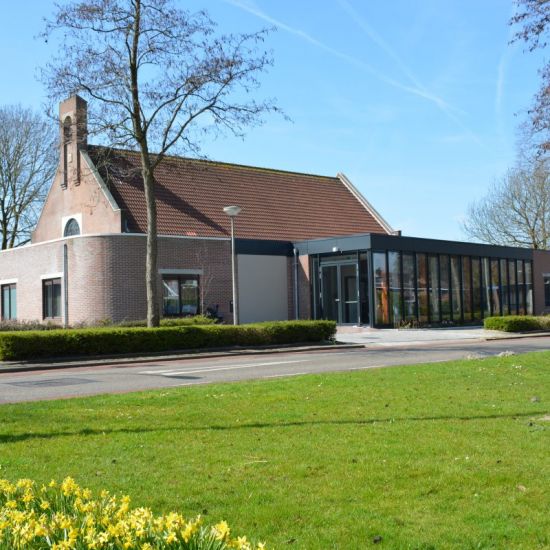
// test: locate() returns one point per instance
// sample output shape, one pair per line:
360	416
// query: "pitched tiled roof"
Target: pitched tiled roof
276	205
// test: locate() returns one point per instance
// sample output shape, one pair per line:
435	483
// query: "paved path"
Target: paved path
92	380
392	336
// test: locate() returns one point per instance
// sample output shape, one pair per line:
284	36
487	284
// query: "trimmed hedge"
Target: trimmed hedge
16	346
517	323
172	322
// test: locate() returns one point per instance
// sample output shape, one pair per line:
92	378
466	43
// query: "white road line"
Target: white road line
176	372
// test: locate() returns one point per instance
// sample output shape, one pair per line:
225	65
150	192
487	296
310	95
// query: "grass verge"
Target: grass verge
451	455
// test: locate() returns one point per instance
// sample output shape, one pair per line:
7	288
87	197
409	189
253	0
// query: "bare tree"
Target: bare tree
28	160
157	78
516	211
532	20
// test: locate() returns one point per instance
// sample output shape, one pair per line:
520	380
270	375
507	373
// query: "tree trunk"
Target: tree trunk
153	317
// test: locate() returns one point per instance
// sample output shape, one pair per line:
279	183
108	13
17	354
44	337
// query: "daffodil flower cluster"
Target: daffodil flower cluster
65	516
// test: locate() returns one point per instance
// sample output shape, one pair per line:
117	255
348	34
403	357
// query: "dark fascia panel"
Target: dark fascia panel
380	242
263	247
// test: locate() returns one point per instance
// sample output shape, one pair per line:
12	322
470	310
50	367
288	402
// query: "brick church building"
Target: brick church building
307	246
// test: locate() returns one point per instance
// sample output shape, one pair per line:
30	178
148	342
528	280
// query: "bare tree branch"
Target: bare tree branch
158	79
516	211
28	160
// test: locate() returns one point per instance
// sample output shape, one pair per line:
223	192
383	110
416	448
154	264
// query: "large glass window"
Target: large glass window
445	287
546	290
467	287
380	288
394	269
476	288
181	295
455	288
422	286
529	288
486	288
363	287
505	294
513	287
433	289
495	288
521	288
409	292
51	298
9	302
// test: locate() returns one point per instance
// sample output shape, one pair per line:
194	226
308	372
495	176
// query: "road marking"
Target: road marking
176	372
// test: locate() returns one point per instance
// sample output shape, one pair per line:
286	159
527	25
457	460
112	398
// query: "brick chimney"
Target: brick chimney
73	114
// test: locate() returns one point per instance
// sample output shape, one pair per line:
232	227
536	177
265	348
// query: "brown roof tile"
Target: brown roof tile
276	205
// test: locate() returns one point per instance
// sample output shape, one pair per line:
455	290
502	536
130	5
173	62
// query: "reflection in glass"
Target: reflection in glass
455	286
529	287
363	288
380	288
467	287
495	288
394	268
409	294
476	288
521	288
445	287
505	294
433	290
422	286
330	292
513	287
486	289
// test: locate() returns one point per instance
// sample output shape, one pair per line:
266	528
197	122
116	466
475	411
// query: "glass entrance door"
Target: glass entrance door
339	293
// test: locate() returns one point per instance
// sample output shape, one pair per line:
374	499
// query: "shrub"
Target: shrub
172	322
10	326
68	516
517	323
16	346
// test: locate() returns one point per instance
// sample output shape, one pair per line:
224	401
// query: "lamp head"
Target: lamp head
232	211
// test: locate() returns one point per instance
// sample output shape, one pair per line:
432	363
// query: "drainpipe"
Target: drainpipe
296	310
65	286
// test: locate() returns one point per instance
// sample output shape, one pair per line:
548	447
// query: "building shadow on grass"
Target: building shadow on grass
14	438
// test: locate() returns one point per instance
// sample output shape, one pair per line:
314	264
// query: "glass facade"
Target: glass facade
380	272
427	288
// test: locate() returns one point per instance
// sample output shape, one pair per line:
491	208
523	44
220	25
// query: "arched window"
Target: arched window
71	228
67	136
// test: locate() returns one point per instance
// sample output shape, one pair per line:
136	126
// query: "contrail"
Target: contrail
415	89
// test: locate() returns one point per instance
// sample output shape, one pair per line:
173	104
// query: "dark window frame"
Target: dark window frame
180	278
48	298
546	286
10	286
72	228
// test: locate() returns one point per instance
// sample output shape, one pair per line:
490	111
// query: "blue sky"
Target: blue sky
416	102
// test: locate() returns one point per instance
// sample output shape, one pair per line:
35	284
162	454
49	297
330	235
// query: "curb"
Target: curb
191	354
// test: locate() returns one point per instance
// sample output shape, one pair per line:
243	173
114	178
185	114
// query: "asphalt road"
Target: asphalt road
93	380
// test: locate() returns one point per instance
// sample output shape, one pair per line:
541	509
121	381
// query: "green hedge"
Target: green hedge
171	322
517	323
15	346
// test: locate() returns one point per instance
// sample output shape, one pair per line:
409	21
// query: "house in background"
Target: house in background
307	247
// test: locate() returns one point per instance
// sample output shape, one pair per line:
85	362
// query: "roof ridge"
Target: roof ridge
221	163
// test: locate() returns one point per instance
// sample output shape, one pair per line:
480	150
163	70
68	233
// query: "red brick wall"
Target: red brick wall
106	277
304	291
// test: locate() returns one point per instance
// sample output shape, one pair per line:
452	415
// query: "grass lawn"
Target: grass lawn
452	455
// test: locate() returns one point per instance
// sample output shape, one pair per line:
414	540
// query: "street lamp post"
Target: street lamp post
233	212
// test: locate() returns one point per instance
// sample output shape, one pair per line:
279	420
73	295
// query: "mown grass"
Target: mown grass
452	455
